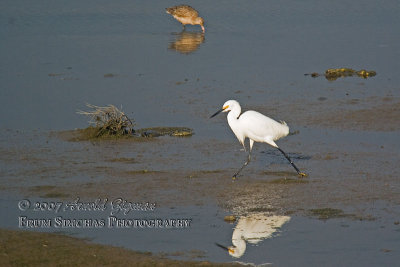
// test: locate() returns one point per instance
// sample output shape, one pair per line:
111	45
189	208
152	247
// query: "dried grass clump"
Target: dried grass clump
108	121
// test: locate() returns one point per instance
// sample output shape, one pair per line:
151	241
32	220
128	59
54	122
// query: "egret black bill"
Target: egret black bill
222	246
216	113
219	111
230	250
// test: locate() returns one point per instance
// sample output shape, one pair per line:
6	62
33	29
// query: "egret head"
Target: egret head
227	106
232	250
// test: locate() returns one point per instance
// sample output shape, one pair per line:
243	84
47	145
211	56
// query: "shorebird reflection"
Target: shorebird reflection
253	229
187	42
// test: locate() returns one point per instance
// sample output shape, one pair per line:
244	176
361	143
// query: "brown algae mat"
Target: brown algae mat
92	133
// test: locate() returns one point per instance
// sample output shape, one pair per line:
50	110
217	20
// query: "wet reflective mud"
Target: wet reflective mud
253	229
346	212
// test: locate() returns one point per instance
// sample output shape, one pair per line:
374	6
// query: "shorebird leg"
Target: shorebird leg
244	165
301	174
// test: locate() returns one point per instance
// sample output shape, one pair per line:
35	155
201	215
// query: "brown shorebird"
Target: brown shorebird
186	15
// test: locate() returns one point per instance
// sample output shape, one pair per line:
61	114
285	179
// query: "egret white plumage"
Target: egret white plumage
253	229
257	128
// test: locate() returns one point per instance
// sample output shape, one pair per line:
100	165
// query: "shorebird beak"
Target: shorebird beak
224	248
216	113
219	111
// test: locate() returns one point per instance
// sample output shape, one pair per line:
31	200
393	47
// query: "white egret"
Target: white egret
253	229
257	128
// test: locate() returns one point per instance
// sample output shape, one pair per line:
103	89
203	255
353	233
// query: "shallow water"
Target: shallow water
259	61
296	241
55	58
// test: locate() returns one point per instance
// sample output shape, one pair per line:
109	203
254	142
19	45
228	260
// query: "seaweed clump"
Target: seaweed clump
108	121
333	74
162	131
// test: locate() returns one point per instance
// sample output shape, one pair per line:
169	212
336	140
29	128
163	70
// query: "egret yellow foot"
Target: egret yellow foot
302	174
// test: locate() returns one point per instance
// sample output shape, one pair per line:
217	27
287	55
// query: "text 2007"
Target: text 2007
47	206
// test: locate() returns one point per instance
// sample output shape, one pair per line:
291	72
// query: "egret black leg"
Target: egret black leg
244	165
301	174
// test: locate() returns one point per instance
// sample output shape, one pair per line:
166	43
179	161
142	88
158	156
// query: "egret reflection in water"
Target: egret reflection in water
187	42
253	229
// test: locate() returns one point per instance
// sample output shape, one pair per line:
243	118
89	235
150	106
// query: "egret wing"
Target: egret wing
261	128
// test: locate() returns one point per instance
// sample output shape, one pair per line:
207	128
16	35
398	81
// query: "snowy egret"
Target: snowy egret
186	15
257	127
253	229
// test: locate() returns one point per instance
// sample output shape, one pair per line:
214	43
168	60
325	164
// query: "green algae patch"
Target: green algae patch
164	131
123	160
328	213
280	173
110	75
334	74
204	173
48	191
93	133
288	181
54	195
39	188
143	171
230	218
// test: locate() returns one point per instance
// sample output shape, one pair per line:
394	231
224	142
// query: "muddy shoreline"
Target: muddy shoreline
344	180
21	248
149	170
349	149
